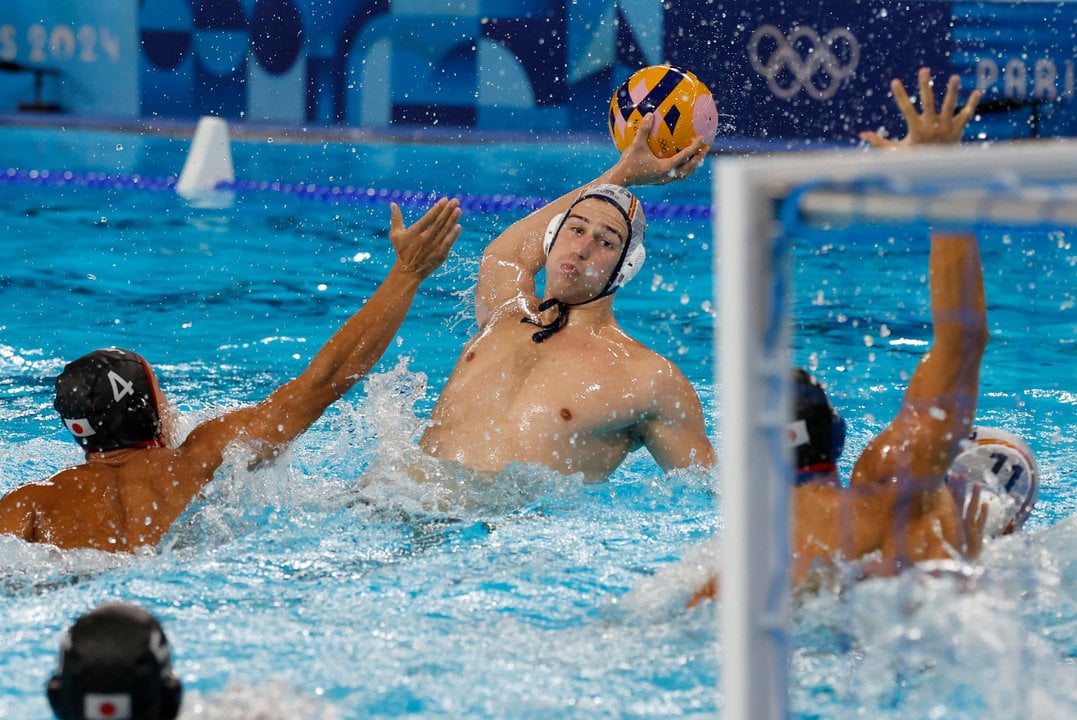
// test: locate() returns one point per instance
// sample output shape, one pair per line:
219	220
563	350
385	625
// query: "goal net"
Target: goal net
758	200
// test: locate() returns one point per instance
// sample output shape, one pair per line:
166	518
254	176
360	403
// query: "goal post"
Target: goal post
958	187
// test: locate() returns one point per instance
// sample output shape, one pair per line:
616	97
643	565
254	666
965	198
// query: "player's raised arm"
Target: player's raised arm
349	354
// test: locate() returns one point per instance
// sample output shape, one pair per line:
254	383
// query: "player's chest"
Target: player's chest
553	370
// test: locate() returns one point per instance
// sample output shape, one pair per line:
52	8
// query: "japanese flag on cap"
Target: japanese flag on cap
797	434
112	706
79	427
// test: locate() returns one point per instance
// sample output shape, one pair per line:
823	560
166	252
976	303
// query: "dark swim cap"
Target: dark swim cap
115	664
817	432
107	401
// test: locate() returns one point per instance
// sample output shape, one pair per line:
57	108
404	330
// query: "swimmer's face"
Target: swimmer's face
586	251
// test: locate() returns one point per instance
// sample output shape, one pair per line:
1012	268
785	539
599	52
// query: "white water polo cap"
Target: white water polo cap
633	254
1003	466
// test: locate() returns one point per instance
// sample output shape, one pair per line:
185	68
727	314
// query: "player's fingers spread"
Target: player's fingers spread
396	218
969	107
447	217
694	162
698	153
949	101
901	99
643	130
875	140
927	94
443	243
431	218
451	236
689	158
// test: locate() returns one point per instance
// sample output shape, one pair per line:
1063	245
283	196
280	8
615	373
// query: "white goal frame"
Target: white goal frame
752	341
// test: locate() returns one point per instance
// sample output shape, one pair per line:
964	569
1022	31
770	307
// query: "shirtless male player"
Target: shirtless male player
136	480
554	380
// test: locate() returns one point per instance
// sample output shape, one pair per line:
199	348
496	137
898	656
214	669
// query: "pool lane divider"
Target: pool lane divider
208	180
322	193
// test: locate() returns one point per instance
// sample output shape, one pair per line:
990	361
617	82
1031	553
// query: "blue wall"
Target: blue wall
793	70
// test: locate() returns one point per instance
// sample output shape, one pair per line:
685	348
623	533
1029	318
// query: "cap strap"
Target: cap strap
554	325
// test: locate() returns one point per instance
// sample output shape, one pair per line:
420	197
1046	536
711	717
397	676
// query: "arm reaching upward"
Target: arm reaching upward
348	355
940	403
511	262
128	497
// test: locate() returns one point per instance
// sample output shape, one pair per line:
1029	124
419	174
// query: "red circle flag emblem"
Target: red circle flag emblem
79	427
110	706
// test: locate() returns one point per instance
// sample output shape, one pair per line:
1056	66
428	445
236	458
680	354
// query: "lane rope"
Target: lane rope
347	194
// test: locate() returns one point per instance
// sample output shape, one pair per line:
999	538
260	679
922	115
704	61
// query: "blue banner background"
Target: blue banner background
92	44
793	71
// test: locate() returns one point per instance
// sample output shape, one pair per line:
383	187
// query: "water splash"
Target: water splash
274	700
34	568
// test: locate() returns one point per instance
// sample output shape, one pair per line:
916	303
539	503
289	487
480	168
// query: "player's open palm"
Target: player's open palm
423	246
944	125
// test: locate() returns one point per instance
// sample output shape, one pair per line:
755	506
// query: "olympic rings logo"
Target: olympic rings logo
804	60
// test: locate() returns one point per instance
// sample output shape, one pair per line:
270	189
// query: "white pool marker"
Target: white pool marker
209	162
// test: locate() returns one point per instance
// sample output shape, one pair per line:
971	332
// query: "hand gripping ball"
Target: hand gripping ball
682	104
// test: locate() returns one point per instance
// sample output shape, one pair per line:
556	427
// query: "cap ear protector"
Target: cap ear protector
551	231
630	266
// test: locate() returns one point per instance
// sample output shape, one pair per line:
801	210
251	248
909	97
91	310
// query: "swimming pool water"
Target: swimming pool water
536	596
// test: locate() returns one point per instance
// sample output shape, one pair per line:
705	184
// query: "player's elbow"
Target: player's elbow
968	339
706	458
700	457
976	336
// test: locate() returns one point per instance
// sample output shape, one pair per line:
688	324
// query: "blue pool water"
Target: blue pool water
536	596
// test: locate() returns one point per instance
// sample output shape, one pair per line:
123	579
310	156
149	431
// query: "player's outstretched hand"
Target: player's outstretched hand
423	246
943	126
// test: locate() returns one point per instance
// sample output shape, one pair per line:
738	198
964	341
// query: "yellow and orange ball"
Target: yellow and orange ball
683	107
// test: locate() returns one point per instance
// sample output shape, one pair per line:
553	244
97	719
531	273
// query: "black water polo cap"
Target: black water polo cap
107	401
817	432
115	664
